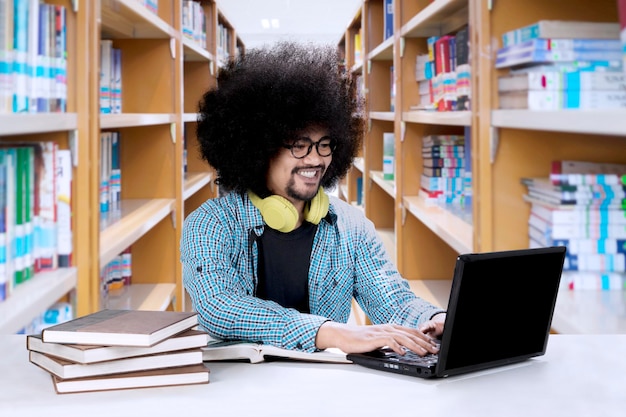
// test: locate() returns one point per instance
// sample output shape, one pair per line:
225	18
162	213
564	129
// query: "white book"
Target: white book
67	370
256	352
559	80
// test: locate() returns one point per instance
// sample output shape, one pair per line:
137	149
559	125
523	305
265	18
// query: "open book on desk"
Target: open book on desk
257	352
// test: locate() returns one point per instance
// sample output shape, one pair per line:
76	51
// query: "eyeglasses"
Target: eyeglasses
302	147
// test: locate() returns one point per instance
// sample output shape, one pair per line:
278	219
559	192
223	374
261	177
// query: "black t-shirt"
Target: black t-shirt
284	260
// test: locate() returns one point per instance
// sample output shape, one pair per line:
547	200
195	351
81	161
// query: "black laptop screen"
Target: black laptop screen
505	308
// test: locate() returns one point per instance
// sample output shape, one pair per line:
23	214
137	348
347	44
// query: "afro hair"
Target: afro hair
263	98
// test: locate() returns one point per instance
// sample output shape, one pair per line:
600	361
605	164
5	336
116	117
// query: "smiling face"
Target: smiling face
298	180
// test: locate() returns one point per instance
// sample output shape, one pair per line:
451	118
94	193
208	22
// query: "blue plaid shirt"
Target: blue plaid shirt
220	255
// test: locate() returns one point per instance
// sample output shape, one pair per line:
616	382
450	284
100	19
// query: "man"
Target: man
275	259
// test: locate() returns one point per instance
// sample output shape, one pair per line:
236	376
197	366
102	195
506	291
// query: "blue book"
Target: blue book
562	45
591	246
532	56
388	25
4	271
562	29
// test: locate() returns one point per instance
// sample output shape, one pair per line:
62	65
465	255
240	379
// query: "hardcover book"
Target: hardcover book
121	328
556	80
182	375
67	370
90	354
257	352
561	29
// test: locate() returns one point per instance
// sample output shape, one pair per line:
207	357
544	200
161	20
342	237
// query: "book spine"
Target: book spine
561	45
596	281
544	56
444	162
573	81
4	243
388	22
575	99
519	35
590	246
388	155
64	208
595	262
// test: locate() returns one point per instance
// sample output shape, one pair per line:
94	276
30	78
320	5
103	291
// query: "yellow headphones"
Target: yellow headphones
281	215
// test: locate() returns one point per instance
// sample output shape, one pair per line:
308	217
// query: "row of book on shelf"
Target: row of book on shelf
556	65
446	178
33	57
443	74
388	30
194	23
35	211
582	205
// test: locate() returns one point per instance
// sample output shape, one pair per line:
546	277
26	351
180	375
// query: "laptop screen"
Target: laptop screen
500	308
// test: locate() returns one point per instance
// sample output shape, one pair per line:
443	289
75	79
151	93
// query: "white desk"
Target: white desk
580	376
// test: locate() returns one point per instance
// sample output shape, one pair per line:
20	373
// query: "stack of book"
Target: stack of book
558	65
582	206
443	175
121	349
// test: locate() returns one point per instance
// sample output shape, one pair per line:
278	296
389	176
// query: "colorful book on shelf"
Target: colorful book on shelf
587	172
532	57
443	162
577	246
445	151
562	99
437	140
595	262
599	66
577	230
65	246
611	281
560	45
181	375
68	370
90	353
388	19
556	80
584	215
388	155
443	172
257	352
121	328
561	29
571	193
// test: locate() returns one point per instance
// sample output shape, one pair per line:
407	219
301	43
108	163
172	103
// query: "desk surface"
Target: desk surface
580	375
576	312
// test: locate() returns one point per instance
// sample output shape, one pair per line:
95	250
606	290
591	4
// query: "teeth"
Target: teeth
308	174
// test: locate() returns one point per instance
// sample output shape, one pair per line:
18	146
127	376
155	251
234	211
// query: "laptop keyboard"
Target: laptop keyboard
409	357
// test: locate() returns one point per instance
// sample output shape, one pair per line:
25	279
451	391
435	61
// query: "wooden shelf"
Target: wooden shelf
136	219
190	117
389	186
192	52
22	124
598	122
143	297
439	17
450	118
194	182
129	19
382	115
452	229
117	121
383	52
32	297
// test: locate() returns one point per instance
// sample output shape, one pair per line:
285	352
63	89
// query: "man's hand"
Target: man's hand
434	326
355	339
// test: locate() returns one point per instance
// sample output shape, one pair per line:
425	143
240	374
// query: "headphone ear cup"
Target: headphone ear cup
277	212
318	207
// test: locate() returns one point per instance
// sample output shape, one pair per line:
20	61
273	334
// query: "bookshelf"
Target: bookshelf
164	73
506	145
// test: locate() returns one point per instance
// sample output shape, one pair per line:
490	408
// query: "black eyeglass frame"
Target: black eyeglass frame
332	146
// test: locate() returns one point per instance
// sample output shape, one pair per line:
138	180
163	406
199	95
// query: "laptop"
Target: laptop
499	312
